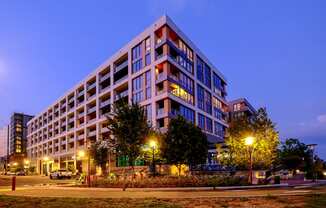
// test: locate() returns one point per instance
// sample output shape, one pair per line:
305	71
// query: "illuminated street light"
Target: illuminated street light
46	158
153	145
249	141
15	164
26	162
81	153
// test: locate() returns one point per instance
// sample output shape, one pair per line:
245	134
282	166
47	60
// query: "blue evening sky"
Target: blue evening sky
272	52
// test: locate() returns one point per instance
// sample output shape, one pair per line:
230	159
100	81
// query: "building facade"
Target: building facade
239	108
18	136
4	133
161	69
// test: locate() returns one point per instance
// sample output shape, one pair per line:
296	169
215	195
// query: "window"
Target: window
204	99
209	125
237	107
147	51
219	130
141	87
148	112
203	72
137	89
186	82
200	97
148	84
137	62
187	113
217	108
208	102
201	121
181	93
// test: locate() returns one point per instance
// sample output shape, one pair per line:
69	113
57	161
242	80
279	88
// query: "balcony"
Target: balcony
105	103
91	110
92	96
105	77
121	95
71	100
121	66
104	130
81	93
161	77
70	140
63	142
91	86
92	133
71	120
91	120
82	114
81	137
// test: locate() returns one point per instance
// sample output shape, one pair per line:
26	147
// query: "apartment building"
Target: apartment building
239	108
161	69
18	137
4	133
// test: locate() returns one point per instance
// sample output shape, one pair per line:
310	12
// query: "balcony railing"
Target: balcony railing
92	133
91	110
91	86
105	77
121	95
121	66
81	93
105	103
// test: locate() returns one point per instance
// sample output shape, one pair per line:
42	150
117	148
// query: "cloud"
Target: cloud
321	118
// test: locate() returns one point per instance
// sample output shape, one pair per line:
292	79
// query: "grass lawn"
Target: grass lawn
309	201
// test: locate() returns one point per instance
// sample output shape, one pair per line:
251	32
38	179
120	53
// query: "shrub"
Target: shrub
171	181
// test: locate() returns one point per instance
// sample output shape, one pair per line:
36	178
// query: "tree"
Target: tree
128	124
294	155
99	152
184	144
265	145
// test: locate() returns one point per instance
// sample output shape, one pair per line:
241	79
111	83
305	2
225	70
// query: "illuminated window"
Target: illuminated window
237	107
181	93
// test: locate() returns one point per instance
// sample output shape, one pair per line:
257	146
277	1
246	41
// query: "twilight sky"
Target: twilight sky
272	52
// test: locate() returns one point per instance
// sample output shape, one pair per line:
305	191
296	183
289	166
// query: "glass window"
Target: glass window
219	130
209	125
200	97
137	62
201	121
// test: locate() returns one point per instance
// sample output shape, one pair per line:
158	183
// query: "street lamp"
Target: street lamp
82	154
153	145
46	159
249	141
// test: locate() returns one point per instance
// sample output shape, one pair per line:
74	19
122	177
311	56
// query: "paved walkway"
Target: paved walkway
114	193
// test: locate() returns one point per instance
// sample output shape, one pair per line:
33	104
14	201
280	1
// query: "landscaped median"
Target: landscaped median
169	182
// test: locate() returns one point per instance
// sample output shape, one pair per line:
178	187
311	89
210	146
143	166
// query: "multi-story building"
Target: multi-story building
239	108
161	69
4	133
18	136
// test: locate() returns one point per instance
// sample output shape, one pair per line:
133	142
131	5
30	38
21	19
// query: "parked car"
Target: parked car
60	174
20	173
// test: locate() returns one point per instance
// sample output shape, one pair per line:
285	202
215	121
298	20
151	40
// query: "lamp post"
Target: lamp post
82	154
153	145
249	141
46	159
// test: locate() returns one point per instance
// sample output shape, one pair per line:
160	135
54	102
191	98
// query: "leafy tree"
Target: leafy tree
184	143
265	145
99	152
295	155
128	124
